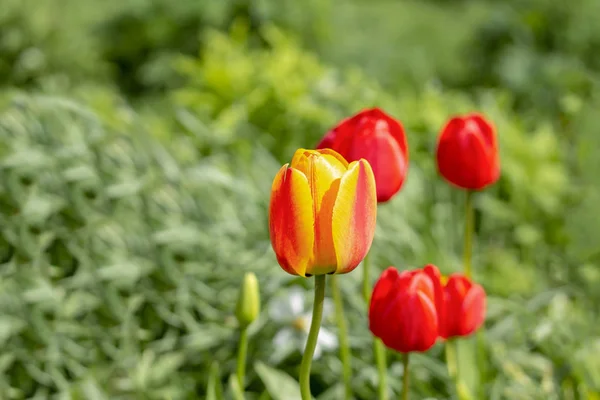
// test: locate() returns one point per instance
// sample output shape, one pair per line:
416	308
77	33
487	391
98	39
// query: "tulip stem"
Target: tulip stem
452	361
313	334
343	335
381	368
241	360
481	359
405	376
378	348
469	227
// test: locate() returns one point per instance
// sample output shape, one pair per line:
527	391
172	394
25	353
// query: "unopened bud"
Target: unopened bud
248	305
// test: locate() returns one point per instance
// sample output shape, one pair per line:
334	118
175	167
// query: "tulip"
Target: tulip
403	309
463	310
378	138
467	152
322	213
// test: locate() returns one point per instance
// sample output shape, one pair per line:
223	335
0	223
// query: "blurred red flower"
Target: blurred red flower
467	152
378	138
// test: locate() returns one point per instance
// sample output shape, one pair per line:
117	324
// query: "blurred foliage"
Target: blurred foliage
40	41
541	50
138	141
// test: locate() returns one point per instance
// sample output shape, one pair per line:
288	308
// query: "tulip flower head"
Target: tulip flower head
378	138
322	213
464	304
467	152
403	309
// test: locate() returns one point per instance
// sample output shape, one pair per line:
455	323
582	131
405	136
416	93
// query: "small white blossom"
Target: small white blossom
290	311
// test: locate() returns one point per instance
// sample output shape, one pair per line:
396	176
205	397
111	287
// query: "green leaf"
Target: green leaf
214	389
92	390
234	388
166	366
280	385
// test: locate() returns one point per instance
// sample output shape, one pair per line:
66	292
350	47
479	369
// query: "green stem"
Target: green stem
241	360
366	284
343	335
469	227
481	359
452	361
313	334
405	376
379	350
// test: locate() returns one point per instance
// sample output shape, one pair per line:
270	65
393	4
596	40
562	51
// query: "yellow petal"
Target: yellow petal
354	216
323	169
291	221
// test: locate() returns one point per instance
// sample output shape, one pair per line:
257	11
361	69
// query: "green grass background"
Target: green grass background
139	140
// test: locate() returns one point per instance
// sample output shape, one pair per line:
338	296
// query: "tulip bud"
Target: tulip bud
248	305
322	213
378	138
467	152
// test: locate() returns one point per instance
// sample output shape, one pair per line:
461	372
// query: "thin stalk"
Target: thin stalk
469	227
313	334
378	348
379	351
481	360
343	336
405	376
241	360
452	361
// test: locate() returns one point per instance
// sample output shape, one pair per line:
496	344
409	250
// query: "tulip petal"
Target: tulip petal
473	310
323	169
383	300
291	221
390	126
420	323
436	278
354	216
487	130
385	156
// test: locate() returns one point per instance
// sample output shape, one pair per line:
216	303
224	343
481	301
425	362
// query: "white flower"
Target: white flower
290	310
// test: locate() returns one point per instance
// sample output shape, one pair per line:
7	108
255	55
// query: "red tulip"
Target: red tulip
467	152
403	312
378	138
322	213
463	310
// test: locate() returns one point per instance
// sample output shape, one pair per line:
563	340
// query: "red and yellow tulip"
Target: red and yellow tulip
322	213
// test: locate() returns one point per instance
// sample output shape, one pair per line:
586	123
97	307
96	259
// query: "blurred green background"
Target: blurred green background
139	140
